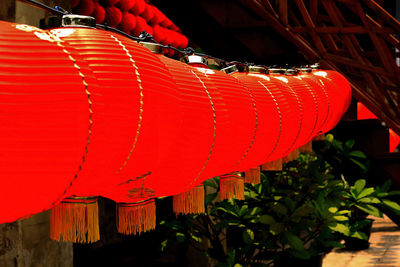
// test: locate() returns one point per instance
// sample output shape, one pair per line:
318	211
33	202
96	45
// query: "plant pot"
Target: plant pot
352	243
315	261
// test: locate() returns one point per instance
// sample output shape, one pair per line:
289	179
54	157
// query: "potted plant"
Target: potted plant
363	201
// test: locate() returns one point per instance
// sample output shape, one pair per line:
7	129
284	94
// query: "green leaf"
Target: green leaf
243	210
392	205
237	265
180	237
333	209
359	164
280	208
341	228
349	144
359	185
302	254
231	257
386	186
227	223
255	211
267	219
302	211
248	236
366	192
370	200
360	235
341	218
357	154
294	241
196	238
370	210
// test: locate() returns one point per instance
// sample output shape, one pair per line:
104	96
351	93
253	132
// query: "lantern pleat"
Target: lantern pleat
242	114
252	176
190	202
193	148
268	121
136	218
231	186
75	220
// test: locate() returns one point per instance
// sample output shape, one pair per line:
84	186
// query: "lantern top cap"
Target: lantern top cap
71	20
230	69
153	47
195	59
258	69
305	70
315	66
291	72
277	71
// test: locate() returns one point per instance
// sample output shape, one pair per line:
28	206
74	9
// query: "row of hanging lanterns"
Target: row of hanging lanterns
133	17
87	113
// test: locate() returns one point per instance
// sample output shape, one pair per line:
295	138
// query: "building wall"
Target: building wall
26	243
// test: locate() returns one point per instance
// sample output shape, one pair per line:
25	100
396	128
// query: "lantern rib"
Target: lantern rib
214	133
141	102
255	128
301	119
58	41
316	109
280	118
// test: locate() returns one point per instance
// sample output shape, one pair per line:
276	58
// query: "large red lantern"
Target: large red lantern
46	120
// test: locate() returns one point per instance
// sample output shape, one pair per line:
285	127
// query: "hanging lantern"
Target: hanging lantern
46	121
268	118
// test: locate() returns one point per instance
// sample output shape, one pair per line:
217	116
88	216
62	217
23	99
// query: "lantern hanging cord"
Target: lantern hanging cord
56	10
143	37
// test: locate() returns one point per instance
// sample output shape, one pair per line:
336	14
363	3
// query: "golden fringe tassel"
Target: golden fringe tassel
136	218
189	202
252	176
292	156
320	137
307	148
231	186
275	165
75	219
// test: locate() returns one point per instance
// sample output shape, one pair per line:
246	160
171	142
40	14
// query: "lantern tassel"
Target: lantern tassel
136	218
231	186
275	165
190	202
307	148
320	137
75	219
292	156
252	176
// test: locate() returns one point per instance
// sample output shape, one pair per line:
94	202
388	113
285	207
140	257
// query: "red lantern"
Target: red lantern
113	16
128	22
85	7
268	120
45	120
99	13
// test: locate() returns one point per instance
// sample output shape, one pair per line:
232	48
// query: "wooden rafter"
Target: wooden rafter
357	38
